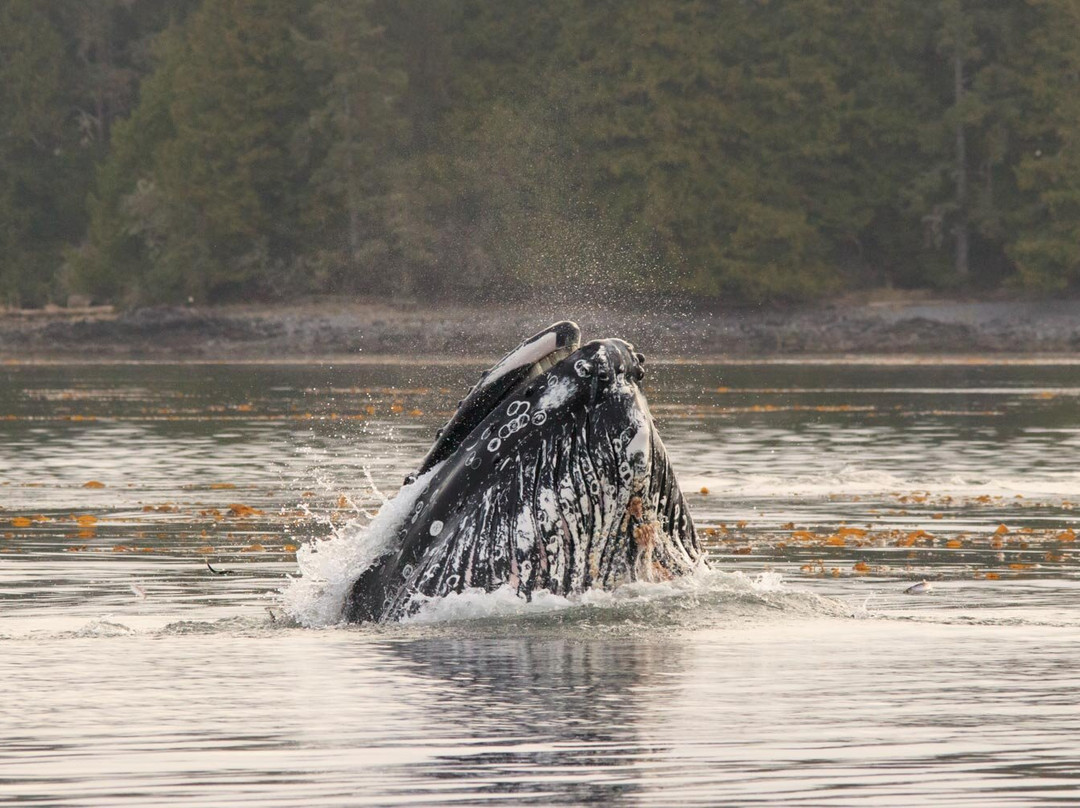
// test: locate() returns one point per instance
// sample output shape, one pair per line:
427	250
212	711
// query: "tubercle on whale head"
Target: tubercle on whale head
608	360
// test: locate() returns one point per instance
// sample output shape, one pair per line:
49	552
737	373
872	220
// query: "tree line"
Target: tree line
740	150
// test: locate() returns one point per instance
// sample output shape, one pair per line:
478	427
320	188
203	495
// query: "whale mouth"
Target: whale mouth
546	363
531	358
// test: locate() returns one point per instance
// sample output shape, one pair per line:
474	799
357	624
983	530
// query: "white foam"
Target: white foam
476	604
103	628
473	604
328	567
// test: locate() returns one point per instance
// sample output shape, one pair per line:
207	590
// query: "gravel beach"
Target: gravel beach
359	330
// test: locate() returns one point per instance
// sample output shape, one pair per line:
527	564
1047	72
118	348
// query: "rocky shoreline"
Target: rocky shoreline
357	330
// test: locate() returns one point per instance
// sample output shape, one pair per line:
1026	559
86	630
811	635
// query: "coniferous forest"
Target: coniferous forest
744	151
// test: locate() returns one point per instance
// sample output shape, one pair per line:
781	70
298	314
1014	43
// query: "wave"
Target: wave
328	567
707	597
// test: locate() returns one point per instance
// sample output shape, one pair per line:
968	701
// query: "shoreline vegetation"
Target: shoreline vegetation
196	152
921	328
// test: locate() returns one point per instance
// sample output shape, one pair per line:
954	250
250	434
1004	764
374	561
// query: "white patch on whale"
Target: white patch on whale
548	508
525	531
558	392
639	444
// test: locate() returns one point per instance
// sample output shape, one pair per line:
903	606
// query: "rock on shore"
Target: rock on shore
339	329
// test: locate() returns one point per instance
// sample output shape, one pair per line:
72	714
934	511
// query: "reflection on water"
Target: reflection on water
563	714
136	676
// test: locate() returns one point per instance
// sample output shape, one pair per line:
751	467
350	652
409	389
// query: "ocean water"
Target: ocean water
892	615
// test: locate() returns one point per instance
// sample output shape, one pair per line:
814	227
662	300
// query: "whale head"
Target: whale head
550	475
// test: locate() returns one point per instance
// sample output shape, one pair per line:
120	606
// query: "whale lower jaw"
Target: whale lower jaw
538	533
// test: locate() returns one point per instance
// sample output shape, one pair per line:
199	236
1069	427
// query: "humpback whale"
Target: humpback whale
550	475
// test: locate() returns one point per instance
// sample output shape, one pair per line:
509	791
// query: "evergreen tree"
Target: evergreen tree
702	122
979	67
354	137
214	200
119	251
113	42
754	150
222	202
109	40
41	165
1043	230
522	211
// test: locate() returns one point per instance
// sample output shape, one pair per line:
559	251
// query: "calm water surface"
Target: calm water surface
800	673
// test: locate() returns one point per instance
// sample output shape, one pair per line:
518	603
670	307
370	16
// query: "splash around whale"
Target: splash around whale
549	478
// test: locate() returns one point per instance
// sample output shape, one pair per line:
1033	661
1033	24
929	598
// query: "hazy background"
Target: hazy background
733	152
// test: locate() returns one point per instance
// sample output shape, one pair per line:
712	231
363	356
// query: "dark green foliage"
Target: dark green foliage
1041	231
742	150
114	260
353	138
213	197
42	164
